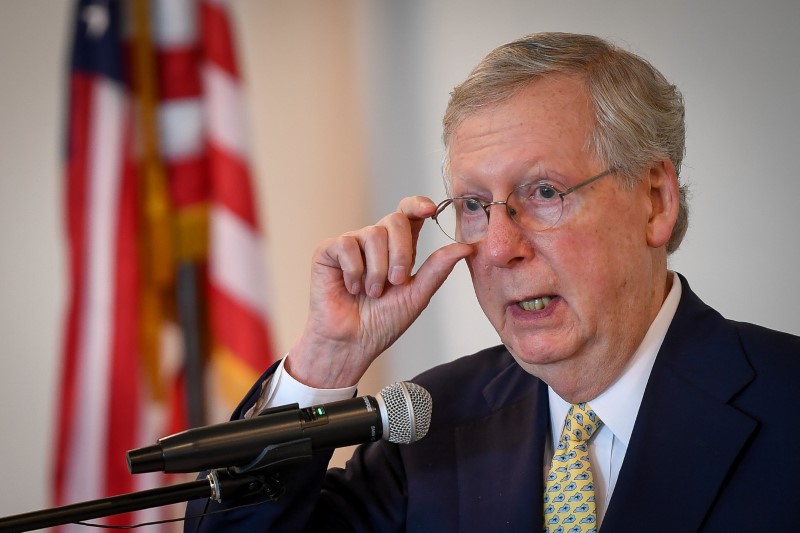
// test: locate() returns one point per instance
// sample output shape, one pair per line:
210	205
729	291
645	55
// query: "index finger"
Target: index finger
416	209
403	249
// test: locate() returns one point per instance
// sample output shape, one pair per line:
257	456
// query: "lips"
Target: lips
536	304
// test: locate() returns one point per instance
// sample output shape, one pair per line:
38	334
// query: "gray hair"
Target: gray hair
639	115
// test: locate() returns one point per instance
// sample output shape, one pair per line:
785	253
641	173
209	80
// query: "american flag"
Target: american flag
167	320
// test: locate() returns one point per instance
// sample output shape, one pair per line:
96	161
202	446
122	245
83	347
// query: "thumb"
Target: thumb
435	270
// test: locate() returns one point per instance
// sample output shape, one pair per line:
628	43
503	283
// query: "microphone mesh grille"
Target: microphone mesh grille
408	408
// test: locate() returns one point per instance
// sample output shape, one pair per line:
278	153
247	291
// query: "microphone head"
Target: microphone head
405	412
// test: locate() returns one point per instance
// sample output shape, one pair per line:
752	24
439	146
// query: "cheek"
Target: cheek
480	272
586	263
606	263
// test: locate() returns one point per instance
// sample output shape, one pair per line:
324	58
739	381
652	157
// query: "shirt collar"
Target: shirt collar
618	405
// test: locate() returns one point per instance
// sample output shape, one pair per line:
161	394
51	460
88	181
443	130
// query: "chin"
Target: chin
531	355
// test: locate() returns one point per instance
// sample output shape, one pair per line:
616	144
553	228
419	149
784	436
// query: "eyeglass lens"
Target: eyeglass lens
535	207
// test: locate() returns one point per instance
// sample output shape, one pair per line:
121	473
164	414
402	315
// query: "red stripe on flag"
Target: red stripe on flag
124	392
178	73
177	405
241	330
75	208
217	39
188	181
231	185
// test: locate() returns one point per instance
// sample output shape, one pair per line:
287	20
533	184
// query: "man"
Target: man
563	155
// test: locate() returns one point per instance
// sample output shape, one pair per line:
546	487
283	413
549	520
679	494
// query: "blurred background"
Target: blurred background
345	99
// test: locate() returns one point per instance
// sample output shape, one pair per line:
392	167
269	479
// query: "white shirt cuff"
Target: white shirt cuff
281	389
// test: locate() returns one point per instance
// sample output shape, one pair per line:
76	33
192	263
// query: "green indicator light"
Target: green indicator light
320	411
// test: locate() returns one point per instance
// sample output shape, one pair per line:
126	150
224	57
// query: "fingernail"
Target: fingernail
397	274
375	290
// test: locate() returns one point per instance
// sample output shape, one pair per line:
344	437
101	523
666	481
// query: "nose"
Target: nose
505	243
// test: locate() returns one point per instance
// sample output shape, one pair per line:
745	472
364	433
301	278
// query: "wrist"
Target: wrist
322	365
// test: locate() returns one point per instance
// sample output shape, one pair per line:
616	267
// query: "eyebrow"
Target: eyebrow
486	195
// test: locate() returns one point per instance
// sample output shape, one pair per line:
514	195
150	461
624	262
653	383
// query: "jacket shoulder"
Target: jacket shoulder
770	351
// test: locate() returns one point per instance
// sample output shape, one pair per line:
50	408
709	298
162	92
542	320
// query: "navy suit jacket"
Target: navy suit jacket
714	448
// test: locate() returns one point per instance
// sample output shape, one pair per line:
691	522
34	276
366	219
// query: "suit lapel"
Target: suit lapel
686	437
496	474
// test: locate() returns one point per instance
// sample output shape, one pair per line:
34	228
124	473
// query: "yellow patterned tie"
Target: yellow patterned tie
569	505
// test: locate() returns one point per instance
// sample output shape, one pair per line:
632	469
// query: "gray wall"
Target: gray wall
737	62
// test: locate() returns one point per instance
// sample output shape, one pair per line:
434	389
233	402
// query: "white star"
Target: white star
96	17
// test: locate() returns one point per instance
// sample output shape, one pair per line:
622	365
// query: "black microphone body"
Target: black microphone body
342	423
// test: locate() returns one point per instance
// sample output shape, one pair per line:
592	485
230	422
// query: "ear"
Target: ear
664	199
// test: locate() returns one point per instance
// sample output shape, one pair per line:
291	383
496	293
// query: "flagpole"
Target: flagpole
189	314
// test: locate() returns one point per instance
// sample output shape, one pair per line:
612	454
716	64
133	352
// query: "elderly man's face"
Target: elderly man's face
595	267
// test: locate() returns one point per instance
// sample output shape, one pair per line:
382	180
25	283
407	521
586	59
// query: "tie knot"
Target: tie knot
581	423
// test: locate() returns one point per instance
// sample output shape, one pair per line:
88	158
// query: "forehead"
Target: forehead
547	123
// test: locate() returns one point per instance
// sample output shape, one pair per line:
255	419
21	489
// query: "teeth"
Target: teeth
537	304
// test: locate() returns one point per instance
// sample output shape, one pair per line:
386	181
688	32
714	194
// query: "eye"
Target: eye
543	192
471	205
537	193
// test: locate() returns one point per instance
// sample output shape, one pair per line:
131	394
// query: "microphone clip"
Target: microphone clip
230	487
258	476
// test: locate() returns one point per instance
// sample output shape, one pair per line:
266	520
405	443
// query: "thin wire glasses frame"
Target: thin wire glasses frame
535	206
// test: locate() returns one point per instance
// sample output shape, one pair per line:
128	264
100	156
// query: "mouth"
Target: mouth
536	304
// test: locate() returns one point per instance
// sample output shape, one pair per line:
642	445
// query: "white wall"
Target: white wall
737	62
32	260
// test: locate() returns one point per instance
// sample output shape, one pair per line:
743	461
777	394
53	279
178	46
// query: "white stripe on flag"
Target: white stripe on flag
226	122
236	263
87	448
180	128
174	23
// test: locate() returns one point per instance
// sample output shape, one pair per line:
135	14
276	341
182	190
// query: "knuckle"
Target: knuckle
375	233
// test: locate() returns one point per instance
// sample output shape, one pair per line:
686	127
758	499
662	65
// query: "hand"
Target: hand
363	296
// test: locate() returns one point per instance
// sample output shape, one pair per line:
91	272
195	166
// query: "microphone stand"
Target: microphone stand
257	478
135	501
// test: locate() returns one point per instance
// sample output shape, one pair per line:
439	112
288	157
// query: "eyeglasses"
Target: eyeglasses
534	206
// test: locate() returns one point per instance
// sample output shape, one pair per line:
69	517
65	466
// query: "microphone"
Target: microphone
400	413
